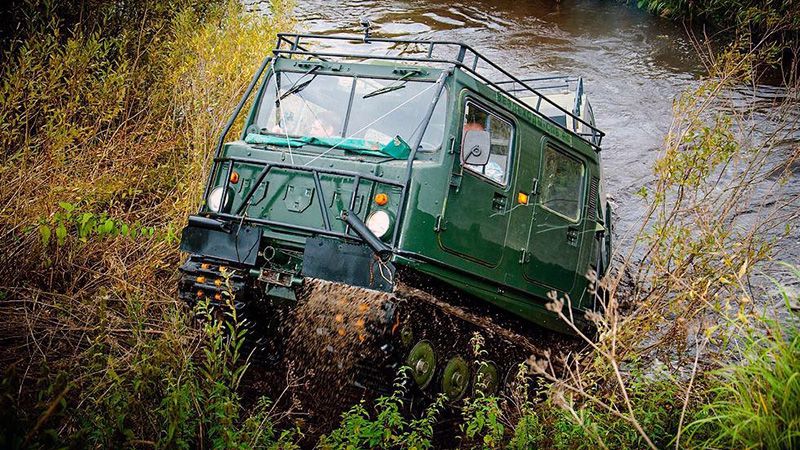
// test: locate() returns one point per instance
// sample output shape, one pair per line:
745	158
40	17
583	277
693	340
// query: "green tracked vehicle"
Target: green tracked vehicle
433	179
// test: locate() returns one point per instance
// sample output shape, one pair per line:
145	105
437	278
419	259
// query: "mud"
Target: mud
333	331
344	344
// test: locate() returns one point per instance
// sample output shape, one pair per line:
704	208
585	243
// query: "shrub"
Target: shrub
107	109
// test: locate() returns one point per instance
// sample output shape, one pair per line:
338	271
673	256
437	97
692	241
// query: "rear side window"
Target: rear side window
562	184
500	133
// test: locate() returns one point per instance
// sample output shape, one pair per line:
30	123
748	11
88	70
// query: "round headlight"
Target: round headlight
378	222
215	199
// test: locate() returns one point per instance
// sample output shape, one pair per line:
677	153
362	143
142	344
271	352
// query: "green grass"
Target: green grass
108	112
755	403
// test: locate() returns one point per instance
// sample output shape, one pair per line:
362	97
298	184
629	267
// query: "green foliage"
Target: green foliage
195	401
528	433
754	403
87	225
482	418
390	429
727	12
572	423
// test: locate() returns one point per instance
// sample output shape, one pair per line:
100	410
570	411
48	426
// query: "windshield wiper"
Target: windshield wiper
403	80
295	88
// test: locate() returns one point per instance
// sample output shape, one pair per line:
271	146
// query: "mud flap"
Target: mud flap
351	264
239	246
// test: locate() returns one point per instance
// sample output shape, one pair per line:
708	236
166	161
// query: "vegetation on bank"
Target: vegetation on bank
773	26
750	14
108	110
107	114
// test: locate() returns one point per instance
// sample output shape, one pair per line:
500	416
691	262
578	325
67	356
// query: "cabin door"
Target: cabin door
554	241
475	218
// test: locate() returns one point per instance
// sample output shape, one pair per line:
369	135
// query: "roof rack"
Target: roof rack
467	59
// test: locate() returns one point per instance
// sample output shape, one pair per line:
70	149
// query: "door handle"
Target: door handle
499	202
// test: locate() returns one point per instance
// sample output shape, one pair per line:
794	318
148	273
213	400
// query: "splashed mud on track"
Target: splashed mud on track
334	331
345	344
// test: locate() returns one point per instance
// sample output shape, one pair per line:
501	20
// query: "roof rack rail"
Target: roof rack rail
467	59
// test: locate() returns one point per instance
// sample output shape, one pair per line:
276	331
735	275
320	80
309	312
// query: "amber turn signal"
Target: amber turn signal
522	198
381	199
234	177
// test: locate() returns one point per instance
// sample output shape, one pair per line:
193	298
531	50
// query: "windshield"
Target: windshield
307	104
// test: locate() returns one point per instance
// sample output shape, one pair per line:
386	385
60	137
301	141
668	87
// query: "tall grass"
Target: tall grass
108	112
754	403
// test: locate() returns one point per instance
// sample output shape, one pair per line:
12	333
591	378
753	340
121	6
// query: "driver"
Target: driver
317	124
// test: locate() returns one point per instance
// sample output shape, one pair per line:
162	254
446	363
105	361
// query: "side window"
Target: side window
562	184
500	134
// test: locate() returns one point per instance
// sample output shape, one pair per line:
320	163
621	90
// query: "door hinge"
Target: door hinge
455	181
524	256
437	227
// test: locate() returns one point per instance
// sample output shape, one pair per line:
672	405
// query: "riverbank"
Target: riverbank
773	25
106	135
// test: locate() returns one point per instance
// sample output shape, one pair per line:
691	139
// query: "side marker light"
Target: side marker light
522	198
381	199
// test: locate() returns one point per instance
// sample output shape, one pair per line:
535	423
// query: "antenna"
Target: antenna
367	26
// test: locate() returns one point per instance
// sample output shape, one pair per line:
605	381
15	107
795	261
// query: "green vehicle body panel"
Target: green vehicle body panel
456	226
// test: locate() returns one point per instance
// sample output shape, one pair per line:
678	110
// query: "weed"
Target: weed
111	106
390	428
753	403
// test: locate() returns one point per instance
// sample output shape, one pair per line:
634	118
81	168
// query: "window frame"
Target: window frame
546	145
469	99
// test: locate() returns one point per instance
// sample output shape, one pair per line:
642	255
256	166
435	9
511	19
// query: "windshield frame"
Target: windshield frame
355	72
